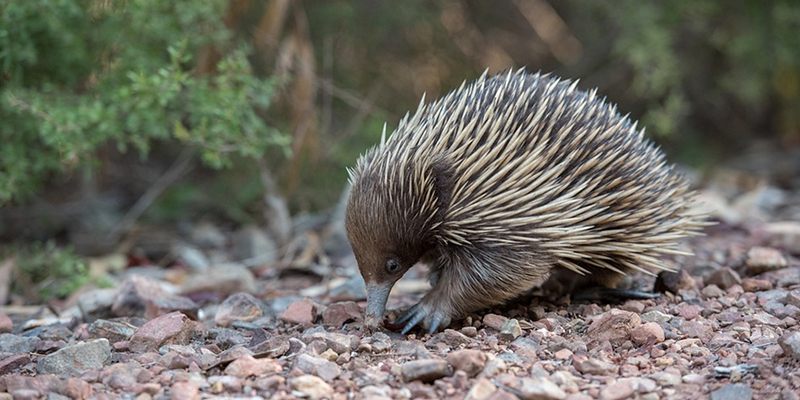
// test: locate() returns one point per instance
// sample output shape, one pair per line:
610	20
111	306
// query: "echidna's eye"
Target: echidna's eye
393	266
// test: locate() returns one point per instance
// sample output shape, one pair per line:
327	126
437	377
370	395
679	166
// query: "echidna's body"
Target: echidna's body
503	182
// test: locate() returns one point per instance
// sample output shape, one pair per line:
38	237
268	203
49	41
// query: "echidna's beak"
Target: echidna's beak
377	295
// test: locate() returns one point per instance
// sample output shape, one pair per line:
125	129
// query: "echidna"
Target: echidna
502	183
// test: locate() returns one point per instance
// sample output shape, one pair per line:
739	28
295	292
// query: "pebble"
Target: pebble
425	370
338	314
494	321
538	388
311	386
724	278
321	367
649	332
172	328
481	390
732	392
76	359
763	259
674	282
614	325
6	324
785	234
238	307
790	343
10	343
619	390
247	366
510	330
302	312
469	361
594	366
112	330
756	285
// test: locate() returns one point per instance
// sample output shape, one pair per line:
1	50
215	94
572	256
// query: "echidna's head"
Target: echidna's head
390	225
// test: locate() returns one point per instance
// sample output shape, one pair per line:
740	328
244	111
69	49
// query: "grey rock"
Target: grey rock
790	343
425	370
732	392
10	343
77	359
510	330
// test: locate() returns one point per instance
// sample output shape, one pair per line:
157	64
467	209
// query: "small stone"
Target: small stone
763	259
425	370
302	312
184	391
688	311
6	324
538	388
470	331
666	379
694	379
76	359
563	354
381	342
238	307
111	330
510	330
785	235
596	367
338	314
724	278
338	342
619	390
793	298
469	361
712	292
494	321
247	366
317	366
732	392
614	325
311	386
656	316
11	363
273	347
790	343
329	355
139	296
649	332
172	328
15	344
756	285
481	390
673	281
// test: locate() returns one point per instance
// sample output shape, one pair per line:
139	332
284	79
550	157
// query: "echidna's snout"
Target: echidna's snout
377	295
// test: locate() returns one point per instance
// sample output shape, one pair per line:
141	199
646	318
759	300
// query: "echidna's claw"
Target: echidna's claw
430	317
414	315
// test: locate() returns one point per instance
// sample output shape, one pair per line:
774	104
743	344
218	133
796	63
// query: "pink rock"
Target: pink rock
647	332
614	326
238	307
300	312
184	391
6	325
337	314
494	321
469	361
688	311
247	366
172	328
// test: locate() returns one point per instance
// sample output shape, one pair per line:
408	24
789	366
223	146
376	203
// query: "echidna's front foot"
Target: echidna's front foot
431	318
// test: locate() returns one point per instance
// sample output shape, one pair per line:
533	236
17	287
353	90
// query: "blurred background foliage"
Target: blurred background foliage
115	113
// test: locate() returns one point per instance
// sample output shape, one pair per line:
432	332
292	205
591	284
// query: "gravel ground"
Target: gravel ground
723	327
